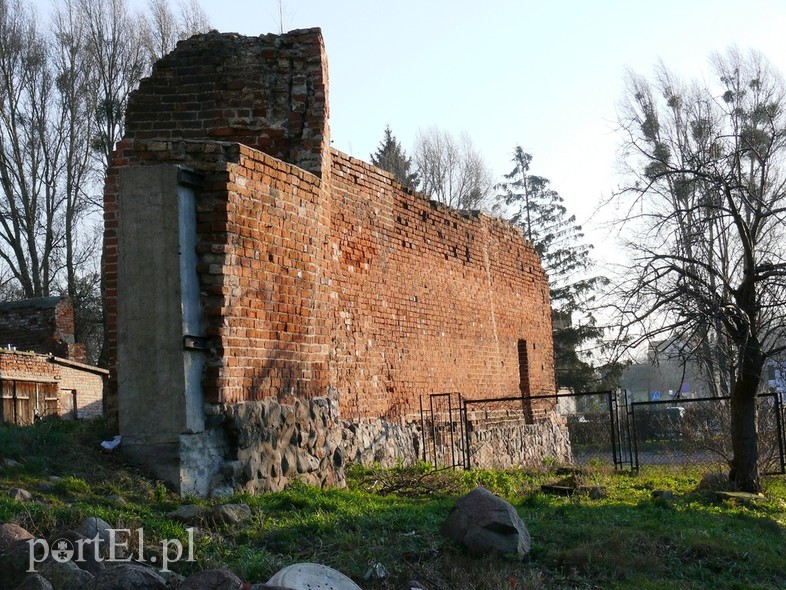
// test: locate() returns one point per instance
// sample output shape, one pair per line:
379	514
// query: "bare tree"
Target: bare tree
193	19
163	29
63	92
71	62
451	170
115	44
29	158
706	213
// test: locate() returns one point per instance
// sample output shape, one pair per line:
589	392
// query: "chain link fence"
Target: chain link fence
602	428
597	434
693	431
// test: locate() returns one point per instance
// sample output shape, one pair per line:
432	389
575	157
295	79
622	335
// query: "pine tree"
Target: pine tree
391	156
530	203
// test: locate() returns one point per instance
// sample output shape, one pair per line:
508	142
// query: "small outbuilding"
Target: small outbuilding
43	370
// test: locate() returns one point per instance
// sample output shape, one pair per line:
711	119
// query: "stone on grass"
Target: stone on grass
10	463
484	523
11	533
64	575
87	560
187	514
212	580
14	562
93	525
34	582
125	576
232	514
46	487
594	492
20	495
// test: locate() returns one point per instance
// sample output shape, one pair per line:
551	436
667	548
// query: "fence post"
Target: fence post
635	446
433	429
779	426
450	425
422	428
612	425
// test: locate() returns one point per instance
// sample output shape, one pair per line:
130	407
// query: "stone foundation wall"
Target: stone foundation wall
269	444
519	444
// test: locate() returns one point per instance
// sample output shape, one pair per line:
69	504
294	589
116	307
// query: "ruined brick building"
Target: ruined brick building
43	370
276	307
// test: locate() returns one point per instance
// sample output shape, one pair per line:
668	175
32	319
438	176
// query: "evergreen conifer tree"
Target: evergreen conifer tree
390	156
540	211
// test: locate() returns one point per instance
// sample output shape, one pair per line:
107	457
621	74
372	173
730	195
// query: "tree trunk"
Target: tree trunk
744	429
744	438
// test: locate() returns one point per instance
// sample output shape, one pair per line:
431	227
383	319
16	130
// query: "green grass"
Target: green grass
626	540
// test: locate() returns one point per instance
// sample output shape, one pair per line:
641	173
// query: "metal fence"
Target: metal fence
597	426
492	423
465	433
603	427
691	431
442	428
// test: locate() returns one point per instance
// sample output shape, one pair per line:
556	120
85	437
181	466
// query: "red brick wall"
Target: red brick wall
427	299
266	275
44	325
384	296
262	229
267	92
21	365
341	280
62	375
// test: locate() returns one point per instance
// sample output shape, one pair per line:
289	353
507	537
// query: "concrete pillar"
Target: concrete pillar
160	349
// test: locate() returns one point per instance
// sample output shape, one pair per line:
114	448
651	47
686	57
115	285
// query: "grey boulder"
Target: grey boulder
11	533
20	495
126	576
92	526
188	514
232	514
64	575
484	522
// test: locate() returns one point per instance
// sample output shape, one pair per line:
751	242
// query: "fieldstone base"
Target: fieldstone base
272	443
519	444
266	444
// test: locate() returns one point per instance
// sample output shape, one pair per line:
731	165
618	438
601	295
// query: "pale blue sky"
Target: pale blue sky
545	75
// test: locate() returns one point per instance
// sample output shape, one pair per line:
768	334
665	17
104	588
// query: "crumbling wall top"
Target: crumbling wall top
267	92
